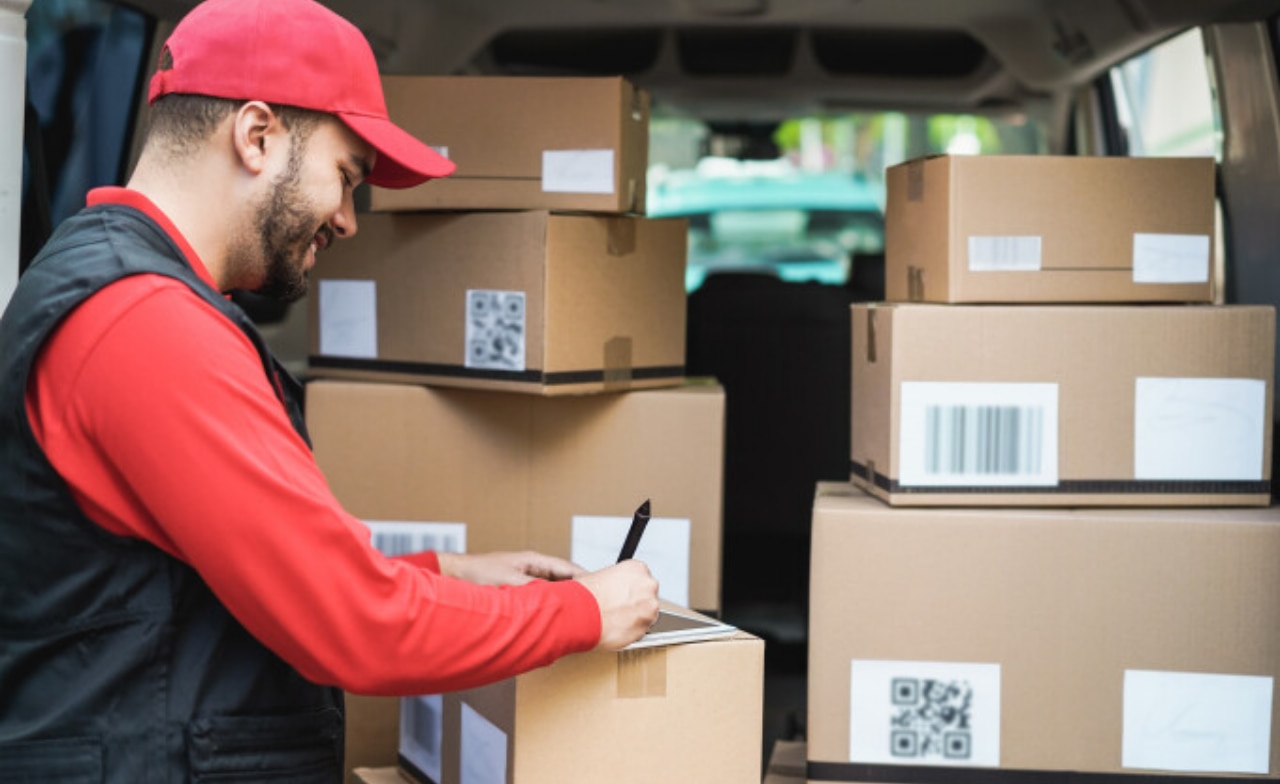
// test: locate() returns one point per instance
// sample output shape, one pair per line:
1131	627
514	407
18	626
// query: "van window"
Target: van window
1164	101
802	199
85	61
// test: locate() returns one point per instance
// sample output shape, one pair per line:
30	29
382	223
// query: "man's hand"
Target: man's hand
628	599
506	568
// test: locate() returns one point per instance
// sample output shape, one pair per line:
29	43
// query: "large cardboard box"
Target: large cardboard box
1112	640
523	301
524	142
1063	405
558	475
1043	228
680	714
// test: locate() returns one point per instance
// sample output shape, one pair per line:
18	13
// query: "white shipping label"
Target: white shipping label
394	537
1004	254
976	433
1196	722
441	150
349	318
495	331
924	713
664	548
1170	258
422	732
484	750
577	171
1199	428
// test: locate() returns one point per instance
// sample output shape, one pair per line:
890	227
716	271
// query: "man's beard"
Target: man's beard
285	227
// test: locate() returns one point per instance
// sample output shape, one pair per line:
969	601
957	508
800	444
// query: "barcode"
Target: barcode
392	544
931	719
984	440
1007	254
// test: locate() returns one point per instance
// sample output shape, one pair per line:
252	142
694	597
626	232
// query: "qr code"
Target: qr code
495	332
931	719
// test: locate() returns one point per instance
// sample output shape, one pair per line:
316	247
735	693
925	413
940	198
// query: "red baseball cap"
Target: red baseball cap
299	53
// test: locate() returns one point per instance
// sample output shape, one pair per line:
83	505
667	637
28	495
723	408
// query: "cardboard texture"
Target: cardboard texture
1067	604
522	143
521	301
1043	228
372	724
682	713
517	469
1152	405
366	775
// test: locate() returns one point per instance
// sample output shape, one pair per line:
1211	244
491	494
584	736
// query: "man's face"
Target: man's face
306	207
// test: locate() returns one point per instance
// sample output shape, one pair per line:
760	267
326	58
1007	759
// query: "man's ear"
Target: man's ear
254	128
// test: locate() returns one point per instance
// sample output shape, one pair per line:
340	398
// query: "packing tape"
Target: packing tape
871	336
915	284
622	236
915	181
617	363
642	673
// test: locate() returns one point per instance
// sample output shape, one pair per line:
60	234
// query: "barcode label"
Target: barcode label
393	537
1004	254
924	713
964	433
422	733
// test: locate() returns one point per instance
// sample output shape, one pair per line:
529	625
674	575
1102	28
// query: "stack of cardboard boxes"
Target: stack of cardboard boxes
499	364
1057	553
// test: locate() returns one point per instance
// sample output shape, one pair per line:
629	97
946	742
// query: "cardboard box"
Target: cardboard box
1088	640
524	143
558	475
366	775
1063	405
372	727
1043	228
521	301
682	713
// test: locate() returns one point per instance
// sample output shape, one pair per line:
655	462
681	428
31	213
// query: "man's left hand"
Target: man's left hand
506	568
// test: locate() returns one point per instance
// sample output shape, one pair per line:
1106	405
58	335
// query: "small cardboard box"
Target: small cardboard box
558	475
524	142
1061	405
1044	228
1114	641
681	714
521	301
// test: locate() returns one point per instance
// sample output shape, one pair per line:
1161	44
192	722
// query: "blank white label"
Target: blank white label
664	548
1199	428
394	537
441	150
349	318
1195	722
484	750
924	713
577	171
1004	254
495	331
975	433
1170	258
422	732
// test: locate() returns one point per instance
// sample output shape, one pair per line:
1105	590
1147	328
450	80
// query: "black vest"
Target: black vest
117	663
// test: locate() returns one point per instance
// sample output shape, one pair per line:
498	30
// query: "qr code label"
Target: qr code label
495	333
932	719
924	713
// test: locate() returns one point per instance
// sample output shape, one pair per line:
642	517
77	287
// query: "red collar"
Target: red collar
134	199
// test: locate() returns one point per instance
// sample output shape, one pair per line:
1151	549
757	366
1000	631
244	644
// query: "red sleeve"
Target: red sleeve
157	412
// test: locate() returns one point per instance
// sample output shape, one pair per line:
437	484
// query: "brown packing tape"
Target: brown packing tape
617	364
622	234
915	181
633	196
642	673
915	284
871	336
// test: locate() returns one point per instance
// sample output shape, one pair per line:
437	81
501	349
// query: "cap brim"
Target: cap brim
403	161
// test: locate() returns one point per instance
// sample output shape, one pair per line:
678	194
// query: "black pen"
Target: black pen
638	523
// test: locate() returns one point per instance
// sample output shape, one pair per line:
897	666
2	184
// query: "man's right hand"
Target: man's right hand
628	598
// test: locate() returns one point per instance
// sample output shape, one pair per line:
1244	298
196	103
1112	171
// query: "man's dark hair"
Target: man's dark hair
182	122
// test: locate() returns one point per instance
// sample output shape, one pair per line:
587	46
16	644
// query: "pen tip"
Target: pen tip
644	508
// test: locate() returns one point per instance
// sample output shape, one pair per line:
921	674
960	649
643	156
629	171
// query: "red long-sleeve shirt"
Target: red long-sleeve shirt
155	410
